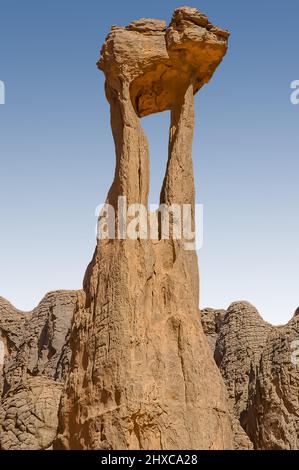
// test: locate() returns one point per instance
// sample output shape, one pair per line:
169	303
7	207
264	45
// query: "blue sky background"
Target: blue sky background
57	154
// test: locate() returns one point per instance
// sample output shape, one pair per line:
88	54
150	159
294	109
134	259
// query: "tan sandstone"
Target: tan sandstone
260	366
129	362
37	359
142	374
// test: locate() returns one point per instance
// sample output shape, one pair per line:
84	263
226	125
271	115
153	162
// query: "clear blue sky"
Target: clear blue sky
57	154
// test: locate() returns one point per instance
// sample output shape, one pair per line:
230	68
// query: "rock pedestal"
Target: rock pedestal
142	374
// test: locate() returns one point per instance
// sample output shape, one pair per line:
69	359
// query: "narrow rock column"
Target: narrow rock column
178	186
131	148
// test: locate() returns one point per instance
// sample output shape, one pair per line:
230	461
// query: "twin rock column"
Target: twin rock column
142	374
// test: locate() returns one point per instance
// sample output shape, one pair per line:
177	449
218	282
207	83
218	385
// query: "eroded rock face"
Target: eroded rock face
272	419
142	374
36	362
11	331
260	367
29	414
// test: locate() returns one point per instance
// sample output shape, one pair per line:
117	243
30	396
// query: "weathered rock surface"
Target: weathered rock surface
125	363
259	364
36	361
272	419
142	374
29	414
11	331
138	369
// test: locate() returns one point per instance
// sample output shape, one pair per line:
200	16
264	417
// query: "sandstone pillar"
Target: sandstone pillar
142	374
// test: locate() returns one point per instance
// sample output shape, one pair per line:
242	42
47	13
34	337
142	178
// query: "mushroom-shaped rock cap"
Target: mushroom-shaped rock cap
159	63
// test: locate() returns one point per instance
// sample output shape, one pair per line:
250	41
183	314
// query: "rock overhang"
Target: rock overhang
160	62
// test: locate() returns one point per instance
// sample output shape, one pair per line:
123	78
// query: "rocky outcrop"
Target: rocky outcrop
259	364
125	363
128	362
126	359
272	420
36	361
142	374
12	323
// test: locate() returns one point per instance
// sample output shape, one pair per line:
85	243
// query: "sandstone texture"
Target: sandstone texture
129	362
260	366
37	358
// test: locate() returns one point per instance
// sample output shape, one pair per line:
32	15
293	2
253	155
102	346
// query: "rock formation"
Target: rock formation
142	375
129	362
37	357
126	360
260	367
